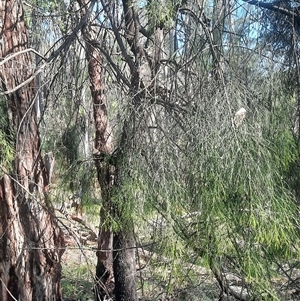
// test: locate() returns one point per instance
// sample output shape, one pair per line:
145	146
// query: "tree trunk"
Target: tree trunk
109	166
31	242
217	36
124	265
102	156
105	171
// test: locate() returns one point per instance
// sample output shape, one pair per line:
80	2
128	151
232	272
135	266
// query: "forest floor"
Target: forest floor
79	267
79	261
155	282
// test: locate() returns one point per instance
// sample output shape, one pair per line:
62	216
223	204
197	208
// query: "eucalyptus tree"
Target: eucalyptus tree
31	242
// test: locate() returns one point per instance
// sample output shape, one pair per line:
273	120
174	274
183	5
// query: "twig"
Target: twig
28	80
11	56
8	290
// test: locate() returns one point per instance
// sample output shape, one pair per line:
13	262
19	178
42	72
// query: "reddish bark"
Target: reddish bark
122	268
105	170
31	243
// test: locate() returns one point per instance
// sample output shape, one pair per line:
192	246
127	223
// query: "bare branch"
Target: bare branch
275	6
9	57
116	32
69	40
32	77
8	291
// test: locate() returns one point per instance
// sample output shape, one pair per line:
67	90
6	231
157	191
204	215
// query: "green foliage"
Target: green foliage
199	190
123	197
161	14
225	194
243	200
6	154
77	279
71	141
40	7
6	140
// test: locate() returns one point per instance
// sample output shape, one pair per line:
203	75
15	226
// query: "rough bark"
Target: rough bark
31	242
102	156
124	265
109	166
105	170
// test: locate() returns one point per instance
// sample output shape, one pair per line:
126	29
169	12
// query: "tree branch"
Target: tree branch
28	80
69	40
116	32
11	56
275	6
